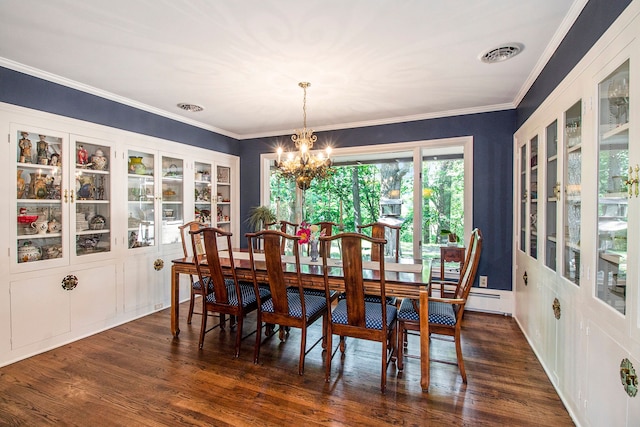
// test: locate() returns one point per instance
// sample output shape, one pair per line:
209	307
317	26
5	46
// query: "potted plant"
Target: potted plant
259	216
452	238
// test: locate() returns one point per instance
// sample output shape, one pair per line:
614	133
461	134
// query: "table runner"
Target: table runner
389	266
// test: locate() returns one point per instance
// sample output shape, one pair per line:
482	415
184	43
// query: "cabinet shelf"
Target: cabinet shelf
85	232
616	131
92	202
573	148
38	236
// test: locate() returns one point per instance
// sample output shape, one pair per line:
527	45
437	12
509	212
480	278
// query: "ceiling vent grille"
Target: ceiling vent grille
501	53
190	107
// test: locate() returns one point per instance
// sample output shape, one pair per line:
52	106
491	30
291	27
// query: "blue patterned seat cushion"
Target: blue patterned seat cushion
317	292
439	312
314	304
372	298
246	288
373	314
197	286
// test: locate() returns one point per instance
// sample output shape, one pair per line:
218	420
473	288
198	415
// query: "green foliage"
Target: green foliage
259	216
359	188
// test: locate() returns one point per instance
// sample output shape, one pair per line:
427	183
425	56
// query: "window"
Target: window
373	183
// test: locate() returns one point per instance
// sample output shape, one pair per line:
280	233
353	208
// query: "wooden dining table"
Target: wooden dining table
407	278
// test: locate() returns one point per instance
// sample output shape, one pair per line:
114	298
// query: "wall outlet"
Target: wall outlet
483	281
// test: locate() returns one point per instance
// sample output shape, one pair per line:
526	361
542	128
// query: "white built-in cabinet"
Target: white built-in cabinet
577	231
91	225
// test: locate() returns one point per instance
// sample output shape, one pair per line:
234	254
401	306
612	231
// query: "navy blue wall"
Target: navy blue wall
492	174
31	92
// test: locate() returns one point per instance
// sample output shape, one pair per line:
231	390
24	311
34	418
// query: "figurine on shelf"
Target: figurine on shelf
43	147
20	184
83	155
55	159
25	148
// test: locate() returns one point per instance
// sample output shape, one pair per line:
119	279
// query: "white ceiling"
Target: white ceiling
368	61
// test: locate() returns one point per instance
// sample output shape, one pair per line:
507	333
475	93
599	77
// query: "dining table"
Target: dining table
407	278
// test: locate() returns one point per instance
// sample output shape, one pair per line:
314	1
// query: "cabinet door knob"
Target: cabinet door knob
158	264
69	282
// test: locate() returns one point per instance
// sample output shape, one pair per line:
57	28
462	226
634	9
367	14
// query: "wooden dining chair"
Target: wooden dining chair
327	227
286	227
445	314
186	238
378	230
222	294
354	316
289	305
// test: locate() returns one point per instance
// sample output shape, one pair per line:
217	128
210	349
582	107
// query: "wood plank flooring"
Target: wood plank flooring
138	375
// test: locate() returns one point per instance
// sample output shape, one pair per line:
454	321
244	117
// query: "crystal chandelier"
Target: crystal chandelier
304	166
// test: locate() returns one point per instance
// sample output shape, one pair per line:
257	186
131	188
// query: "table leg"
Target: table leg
424	340
175	301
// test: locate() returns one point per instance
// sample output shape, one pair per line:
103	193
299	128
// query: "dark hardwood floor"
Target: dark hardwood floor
138	375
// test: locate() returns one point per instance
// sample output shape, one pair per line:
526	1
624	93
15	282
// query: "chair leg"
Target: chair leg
239	334
203	328
256	349
328	354
303	349
383	377
191	304
325	325
460	360
402	336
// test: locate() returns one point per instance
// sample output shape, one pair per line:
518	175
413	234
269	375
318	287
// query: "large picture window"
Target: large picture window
423	187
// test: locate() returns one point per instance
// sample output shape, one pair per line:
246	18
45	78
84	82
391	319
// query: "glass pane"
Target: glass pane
613	170
39	217
552	194
572	177
442	204
172	199
381	186
202	192
93	192
523	198
223	197
533	191
141	199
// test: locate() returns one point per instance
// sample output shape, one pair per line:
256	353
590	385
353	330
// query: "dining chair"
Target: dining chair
187	251
445	314
379	230
290	305
286	227
327	227
223	294
354	316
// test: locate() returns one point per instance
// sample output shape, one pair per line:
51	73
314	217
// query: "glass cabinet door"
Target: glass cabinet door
172	199
523	198
614	174
223	197
92	213
140	199
552	194
533	193
40	216
202	196
572	178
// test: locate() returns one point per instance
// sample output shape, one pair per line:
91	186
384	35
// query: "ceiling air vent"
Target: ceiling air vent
190	107
501	53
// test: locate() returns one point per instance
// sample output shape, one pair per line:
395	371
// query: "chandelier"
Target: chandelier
304	166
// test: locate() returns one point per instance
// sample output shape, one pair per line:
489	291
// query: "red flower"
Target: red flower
304	234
